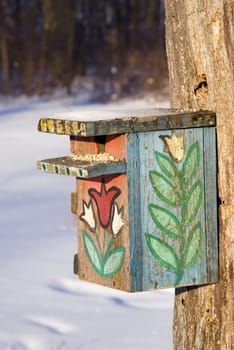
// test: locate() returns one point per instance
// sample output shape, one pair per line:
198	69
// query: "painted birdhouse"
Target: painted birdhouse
145	199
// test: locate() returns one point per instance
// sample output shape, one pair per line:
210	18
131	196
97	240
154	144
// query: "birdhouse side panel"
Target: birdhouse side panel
173	207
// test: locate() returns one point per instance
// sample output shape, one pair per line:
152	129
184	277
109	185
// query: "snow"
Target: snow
43	306
86	114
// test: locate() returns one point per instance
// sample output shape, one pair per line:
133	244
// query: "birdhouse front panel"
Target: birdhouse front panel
103	232
102	215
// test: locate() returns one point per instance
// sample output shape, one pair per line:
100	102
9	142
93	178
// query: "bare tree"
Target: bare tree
4	49
59	25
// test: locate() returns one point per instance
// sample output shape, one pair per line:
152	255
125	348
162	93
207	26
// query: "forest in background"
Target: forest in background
117	44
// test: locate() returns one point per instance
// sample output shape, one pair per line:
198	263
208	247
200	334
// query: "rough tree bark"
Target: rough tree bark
200	51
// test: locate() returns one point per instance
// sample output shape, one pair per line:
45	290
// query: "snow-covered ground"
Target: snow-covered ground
43	306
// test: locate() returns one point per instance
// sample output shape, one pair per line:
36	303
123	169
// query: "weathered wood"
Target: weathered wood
116	146
155	225
135	218
195	252
211	208
154	274
200	50
143	206
125	122
70	167
83	145
103	230
74	203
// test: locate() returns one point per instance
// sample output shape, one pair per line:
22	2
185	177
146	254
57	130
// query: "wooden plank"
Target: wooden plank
135	215
211	206
197	273
154	276
68	166
126	122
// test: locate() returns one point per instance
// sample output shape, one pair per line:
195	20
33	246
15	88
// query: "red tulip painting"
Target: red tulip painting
104	256
104	201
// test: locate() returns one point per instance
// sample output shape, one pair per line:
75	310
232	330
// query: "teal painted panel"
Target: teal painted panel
68	166
173	209
134	212
211	198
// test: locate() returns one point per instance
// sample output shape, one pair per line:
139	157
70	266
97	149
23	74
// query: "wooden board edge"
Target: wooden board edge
173	120
211	203
59	166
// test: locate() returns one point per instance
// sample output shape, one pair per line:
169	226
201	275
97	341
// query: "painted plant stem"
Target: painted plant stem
179	277
100	249
105	260
180	189
180	272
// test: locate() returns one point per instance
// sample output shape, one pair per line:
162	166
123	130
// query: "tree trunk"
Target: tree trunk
30	22
5	61
200	51
60	25
4	48
42	63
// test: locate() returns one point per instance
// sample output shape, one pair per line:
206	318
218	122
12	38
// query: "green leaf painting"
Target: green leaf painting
191	163
178	242
163	252
166	164
166	221
107	263
193	245
165	189
113	262
92	253
193	202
